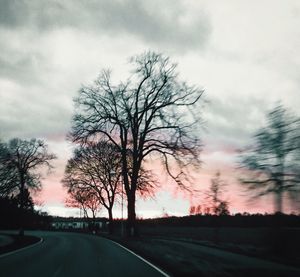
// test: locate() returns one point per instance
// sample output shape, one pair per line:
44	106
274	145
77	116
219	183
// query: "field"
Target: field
227	251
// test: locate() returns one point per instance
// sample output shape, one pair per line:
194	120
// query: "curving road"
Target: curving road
72	254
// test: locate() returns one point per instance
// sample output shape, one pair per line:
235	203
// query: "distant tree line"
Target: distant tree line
12	217
237	220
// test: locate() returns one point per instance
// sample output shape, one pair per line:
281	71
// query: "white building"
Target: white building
77	223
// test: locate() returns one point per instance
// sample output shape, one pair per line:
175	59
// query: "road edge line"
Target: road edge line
143	259
21	249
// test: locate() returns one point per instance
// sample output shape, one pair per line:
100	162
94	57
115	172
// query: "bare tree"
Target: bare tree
86	200
95	170
8	172
215	196
151	113
28	203
74	200
272	163
20	161
195	209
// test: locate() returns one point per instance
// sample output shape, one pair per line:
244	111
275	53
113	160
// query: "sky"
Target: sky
245	54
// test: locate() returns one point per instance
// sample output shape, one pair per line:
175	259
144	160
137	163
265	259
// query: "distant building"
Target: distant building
78	223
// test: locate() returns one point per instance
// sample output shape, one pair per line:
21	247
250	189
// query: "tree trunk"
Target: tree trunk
93	222
278	202
111	222
21	231
275	237
131	228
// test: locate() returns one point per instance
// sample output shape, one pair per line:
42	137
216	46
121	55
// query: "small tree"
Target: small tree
150	113
95	171
214	195
86	200
272	163
20	161
199	209
222	208
192	210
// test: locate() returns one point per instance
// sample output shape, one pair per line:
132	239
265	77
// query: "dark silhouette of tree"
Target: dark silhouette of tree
198	209
94	171
272	163
206	210
215	195
222	208
216	204
8	172
20	161
28	203
152	113
86	200
194	210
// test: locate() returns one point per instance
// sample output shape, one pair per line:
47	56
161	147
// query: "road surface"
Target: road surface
72	254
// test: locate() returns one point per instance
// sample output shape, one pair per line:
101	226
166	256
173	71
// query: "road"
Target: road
72	254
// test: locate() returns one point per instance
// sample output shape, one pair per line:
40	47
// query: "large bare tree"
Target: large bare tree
272	163
151	113
20	162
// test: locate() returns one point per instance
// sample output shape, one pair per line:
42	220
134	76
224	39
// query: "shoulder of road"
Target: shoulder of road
10	242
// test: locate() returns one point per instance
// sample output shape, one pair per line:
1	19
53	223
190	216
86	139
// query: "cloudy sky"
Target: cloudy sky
246	54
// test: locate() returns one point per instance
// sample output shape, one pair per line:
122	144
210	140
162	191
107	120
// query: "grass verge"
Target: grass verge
18	243
180	258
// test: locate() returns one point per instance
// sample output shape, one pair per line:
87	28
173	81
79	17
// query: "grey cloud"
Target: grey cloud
22	13
232	122
38	114
21	59
25	69
9	13
162	23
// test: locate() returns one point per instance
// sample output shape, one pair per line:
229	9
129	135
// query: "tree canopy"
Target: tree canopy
272	163
20	164
94	173
20	161
215	196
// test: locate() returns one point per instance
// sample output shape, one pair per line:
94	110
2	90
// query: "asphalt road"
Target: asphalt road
71	254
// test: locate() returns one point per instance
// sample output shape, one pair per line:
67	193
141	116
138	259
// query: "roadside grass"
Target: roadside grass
187	259
276	244
18	242
205	252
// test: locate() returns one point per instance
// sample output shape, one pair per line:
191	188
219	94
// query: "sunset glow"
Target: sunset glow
245	63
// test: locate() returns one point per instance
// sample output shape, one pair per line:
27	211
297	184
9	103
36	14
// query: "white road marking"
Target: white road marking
21	249
141	258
